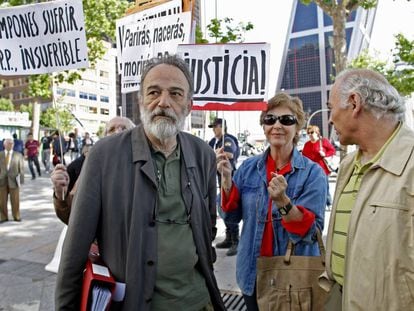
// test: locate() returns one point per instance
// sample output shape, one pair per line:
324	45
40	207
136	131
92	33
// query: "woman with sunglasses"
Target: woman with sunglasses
316	149
279	195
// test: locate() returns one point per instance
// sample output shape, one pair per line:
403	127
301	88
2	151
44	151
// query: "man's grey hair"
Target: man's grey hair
377	94
172	60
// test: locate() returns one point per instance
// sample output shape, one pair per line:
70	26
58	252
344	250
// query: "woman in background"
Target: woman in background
316	149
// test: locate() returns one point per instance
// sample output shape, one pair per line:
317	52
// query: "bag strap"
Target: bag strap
290	250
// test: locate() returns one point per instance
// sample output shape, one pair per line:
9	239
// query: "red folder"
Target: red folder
95	275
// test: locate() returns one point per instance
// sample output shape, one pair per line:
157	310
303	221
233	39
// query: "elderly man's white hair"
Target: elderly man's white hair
115	122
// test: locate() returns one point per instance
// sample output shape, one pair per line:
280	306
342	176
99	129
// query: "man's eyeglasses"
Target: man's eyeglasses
286	119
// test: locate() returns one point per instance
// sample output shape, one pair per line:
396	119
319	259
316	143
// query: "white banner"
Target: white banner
227	75
42	38
147	39
169	8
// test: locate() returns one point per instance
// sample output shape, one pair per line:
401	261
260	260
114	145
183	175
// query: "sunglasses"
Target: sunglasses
286	119
309	133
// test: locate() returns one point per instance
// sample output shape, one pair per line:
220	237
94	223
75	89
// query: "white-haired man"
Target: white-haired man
370	244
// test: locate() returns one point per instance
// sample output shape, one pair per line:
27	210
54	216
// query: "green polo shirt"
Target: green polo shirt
179	285
344	207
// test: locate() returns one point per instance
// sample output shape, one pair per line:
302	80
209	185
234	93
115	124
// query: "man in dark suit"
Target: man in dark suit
11	176
148	195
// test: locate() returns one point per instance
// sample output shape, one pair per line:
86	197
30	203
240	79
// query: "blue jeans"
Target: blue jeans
231	220
36	162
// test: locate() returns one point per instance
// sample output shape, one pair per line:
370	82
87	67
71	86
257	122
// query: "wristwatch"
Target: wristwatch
284	210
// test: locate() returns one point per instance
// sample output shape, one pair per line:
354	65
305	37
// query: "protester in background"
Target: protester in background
64	179
153	213
11	177
280	195
231	149
46	143
316	149
87	140
32	153
72	146
78	138
59	148
370	242
18	144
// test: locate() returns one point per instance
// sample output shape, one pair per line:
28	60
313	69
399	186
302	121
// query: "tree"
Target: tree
400	73
50	116
339	12
100	17
6	104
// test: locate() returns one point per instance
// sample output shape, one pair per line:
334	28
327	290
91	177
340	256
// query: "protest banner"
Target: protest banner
228	76
169	8
147	39
42	38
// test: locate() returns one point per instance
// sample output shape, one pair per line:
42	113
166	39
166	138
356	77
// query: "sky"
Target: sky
271	18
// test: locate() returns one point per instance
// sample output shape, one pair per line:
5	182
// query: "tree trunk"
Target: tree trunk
340	50
35	119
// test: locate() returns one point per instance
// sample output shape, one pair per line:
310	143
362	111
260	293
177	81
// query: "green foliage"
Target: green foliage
49	117
27	108
224	31
6	104
400	73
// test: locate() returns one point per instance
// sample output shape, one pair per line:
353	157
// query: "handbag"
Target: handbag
291	282
332	162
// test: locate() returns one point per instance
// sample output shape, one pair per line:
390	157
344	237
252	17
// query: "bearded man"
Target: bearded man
148	196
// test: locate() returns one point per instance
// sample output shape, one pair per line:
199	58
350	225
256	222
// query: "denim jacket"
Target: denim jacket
306	187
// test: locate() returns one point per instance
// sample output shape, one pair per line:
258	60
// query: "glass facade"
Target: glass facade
302	65
307	67
305	17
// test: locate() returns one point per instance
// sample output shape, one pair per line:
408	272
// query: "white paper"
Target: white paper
101	270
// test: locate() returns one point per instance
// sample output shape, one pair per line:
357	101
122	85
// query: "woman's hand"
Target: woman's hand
277	190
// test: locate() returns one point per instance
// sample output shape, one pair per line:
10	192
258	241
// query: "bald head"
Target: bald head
117	125
8	144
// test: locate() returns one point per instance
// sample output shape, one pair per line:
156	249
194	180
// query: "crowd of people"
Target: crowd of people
148	196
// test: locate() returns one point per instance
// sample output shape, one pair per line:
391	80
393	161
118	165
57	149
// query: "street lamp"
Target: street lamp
313	114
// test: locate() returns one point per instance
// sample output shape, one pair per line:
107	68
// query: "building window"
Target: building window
93	110
302	67
305	17
92	96
83	95
60	91
104	86
103	74
84	108
105	111
70	93
104	99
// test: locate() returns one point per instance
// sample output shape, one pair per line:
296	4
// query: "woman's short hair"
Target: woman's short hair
293	103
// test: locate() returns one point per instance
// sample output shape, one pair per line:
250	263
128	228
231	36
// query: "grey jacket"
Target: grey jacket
115	203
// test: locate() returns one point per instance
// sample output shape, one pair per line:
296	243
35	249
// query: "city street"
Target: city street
26	247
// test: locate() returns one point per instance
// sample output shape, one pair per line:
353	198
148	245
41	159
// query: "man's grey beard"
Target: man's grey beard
163	128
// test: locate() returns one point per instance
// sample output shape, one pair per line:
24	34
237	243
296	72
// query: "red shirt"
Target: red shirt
296	227
311	151
32	148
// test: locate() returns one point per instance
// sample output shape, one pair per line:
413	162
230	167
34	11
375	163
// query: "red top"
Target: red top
296	227
311	151
32	148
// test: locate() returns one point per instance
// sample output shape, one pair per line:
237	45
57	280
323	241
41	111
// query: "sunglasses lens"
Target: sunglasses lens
287	119
269	119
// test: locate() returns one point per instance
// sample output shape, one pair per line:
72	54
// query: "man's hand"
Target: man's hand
60	180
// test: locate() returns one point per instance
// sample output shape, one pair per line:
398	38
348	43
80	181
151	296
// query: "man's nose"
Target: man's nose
165	99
